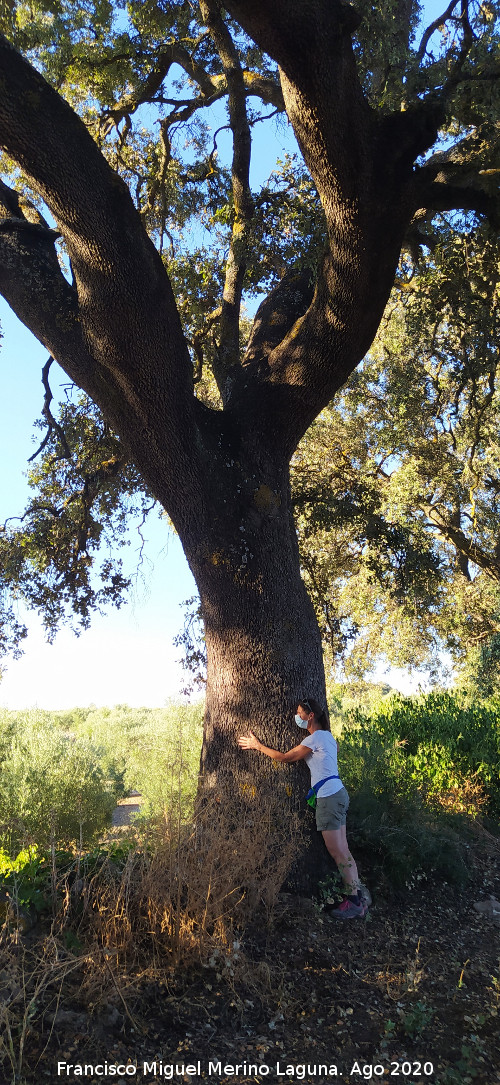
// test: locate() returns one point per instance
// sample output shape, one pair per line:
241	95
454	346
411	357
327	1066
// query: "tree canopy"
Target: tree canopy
396	483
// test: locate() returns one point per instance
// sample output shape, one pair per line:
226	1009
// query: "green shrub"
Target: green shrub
53	790
405	839
164	763
27	878
156	751
449	741
418	768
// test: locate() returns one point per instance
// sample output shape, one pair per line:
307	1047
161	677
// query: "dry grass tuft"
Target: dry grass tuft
469	797
177	897
192	886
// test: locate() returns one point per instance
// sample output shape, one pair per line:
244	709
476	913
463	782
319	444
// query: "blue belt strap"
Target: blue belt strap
314	790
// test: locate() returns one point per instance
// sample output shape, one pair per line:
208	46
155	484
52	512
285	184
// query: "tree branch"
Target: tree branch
476	152
174	53
197	342
440	196
229	347
277	315
366	217
32	283
431	29
288	29
117	334
52	424
463	176
464	546
212	88
49	141
467	41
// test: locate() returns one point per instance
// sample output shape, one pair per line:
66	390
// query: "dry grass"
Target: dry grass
189	888
181	897
25	979
467	798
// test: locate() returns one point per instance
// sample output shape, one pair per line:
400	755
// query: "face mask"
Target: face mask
300	722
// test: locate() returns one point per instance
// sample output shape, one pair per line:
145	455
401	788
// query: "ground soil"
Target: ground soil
409	994
126	809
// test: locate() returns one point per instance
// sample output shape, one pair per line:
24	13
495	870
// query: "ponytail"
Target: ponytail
320	714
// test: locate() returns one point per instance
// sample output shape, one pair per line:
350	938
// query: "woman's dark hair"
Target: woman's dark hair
320	714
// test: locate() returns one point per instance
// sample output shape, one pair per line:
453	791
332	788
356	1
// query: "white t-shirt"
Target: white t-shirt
322	761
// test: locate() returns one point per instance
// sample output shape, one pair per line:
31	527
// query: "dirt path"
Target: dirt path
125	810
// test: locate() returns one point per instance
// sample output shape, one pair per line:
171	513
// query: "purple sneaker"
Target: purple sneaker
347	910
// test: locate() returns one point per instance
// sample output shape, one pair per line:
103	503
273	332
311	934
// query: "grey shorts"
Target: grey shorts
331	811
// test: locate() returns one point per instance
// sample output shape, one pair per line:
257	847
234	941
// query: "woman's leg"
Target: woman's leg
338	848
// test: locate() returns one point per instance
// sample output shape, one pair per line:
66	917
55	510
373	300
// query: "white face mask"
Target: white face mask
300	722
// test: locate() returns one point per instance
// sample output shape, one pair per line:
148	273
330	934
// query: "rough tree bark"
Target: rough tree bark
222	475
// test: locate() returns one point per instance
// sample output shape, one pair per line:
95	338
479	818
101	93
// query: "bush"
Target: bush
61	786
53	790
405	839
450	743
154	751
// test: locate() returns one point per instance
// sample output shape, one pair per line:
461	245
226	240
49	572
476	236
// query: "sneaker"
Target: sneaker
347	910
366	897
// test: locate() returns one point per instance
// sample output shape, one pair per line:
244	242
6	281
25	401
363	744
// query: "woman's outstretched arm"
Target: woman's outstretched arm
251	742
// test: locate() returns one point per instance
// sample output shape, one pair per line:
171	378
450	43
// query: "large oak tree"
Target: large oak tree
394	127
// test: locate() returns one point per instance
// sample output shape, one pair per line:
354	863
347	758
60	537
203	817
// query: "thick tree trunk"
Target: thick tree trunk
263	652
264	649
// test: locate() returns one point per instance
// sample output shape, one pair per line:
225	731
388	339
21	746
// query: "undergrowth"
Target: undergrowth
174	896
422	773
181	891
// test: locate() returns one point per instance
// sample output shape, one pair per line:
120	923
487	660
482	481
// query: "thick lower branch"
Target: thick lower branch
277	315
443	196
118	273
32	283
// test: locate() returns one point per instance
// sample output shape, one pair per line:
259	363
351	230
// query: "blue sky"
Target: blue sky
128	655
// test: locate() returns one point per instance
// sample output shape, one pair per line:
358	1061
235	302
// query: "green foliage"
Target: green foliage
30	877
482	671
53	789
61	773
154	751
7	731
405	841
85	494
417	770
27	877
418	1018
396	485
447	739
346	697
397	60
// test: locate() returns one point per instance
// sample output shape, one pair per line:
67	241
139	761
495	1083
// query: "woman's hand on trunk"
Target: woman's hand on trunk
249	742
